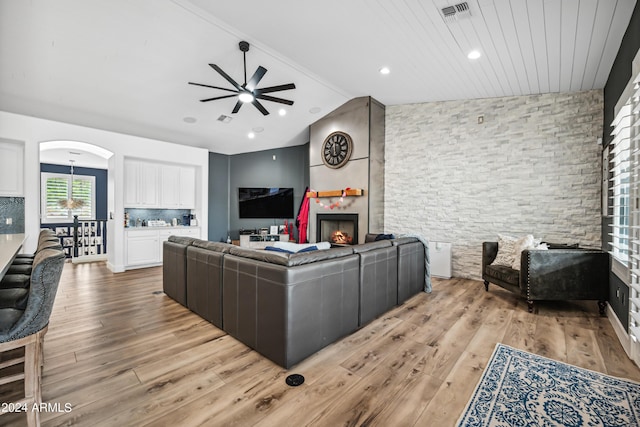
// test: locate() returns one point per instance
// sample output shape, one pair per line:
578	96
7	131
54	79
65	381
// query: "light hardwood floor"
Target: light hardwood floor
121	353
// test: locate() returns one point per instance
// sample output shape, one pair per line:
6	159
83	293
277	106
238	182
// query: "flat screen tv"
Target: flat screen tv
265	202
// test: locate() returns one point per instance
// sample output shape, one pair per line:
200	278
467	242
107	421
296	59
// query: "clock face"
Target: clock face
336	150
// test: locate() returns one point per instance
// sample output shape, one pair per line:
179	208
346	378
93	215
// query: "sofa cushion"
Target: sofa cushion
404	240
291	260
213	246
183	240
504	273
365	247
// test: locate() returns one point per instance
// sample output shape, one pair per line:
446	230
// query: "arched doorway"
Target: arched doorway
74	196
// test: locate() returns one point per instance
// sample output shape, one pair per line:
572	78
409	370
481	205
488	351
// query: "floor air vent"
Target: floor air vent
456	12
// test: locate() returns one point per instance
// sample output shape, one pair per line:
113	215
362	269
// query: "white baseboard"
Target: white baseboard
620	331
89	258
115	268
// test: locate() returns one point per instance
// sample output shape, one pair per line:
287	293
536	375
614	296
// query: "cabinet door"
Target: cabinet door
11	169
148	185
170	187
131	174
187	190
143	250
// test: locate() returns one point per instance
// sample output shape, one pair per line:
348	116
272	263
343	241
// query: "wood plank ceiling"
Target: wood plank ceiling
123	66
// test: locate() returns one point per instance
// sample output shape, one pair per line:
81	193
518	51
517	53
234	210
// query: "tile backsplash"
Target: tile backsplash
11	208
153	214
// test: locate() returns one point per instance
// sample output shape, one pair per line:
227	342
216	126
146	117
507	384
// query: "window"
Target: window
620	172
56	187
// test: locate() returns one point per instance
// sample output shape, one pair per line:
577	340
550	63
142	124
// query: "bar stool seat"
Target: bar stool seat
20	269
14	298
15	281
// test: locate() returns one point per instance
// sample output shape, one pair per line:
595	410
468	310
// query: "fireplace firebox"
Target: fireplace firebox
337	229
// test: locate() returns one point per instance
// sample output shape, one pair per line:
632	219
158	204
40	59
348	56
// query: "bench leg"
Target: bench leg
486	286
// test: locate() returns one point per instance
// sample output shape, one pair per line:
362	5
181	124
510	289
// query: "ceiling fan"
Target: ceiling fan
247	92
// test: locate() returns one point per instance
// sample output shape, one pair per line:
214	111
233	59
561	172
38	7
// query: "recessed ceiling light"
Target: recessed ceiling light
315	110
258	129
190	120
251	135
474	54
385	70
282	112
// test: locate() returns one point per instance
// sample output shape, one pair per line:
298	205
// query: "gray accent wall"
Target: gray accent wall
290	168
532	167
218	197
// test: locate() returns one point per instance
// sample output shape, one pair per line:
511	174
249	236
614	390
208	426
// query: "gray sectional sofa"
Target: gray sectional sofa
288	306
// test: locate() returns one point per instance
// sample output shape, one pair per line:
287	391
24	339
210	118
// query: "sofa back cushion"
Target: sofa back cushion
290	260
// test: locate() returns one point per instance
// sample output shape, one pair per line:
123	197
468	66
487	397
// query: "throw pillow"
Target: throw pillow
506	245
526	242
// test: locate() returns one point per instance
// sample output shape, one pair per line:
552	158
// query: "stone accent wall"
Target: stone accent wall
532	167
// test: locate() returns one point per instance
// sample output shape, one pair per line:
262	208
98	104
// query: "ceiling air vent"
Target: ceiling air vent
456	12
224	119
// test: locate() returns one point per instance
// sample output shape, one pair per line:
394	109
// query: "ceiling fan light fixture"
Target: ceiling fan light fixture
246	97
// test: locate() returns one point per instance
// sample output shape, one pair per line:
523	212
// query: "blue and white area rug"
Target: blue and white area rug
522	389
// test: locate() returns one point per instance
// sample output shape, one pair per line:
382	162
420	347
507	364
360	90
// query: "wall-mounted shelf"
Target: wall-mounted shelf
335	193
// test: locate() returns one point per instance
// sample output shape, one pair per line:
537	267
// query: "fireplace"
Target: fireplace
338	229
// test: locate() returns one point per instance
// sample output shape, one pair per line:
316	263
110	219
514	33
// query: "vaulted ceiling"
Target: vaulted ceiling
124	65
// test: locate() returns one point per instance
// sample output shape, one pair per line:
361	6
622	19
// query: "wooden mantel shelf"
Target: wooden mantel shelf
335	193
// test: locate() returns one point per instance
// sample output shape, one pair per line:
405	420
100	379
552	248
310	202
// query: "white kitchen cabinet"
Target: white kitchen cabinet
170	186
11	169
187	190
155	185
178	187
141	184
142	247
148	189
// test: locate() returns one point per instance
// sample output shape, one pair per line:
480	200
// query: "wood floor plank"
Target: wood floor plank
123	353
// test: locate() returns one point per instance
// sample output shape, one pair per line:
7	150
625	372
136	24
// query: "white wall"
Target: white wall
32	131
532	167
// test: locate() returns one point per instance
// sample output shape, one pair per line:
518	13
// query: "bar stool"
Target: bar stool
26	328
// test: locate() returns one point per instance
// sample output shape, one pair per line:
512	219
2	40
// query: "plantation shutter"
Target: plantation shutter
56	189
619	156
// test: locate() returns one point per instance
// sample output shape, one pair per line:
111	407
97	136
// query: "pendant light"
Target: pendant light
71	203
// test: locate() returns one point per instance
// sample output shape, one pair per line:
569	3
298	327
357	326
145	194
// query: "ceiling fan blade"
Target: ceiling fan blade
213	87
274	99
226	76
218	97
237	107
260	107
255	79
274	88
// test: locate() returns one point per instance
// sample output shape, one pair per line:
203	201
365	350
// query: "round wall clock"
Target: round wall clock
336	149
